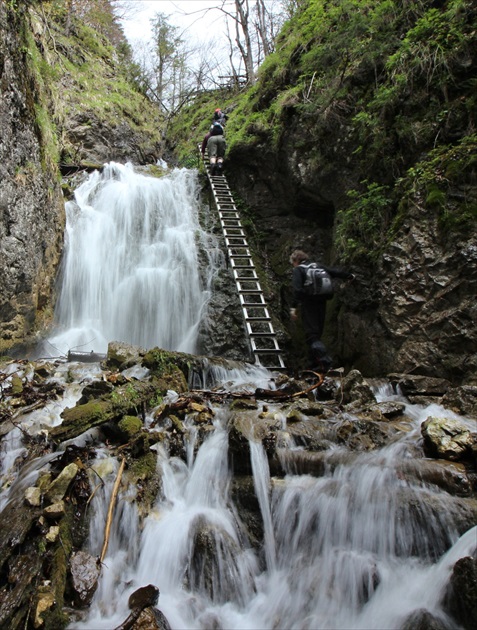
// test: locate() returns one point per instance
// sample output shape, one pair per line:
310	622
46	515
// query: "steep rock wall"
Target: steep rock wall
31	204
357	146
411	311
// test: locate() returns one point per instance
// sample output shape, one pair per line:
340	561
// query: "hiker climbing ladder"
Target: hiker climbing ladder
257	318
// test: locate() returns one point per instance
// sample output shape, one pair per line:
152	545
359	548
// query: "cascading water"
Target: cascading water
131	270
361	546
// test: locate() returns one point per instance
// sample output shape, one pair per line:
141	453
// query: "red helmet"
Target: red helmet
217	110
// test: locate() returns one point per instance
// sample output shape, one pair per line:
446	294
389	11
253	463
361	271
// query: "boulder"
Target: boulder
446	438
84	570
461	594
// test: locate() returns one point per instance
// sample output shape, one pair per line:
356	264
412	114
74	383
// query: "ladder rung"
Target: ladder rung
235	254
254	320
239	266
229	212
245	274
241	241
258	318
243	301
274	350
264	333
243	289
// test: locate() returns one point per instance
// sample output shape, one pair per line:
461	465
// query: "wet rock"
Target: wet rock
45	602
23	571
55	510
143	597
144	616
355	392
59	486
422	619
243	494
461	594
446	438
439	515
389	409
417	385
211	548
301	462
33	496
450	476
123	355
362	434
244	403
294	416
315	434
53	533
310	408
151	619
462	400
84	570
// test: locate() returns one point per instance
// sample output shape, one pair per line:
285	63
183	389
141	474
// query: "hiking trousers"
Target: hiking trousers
216	146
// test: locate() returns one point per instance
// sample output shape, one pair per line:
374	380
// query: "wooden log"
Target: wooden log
112	503
86	357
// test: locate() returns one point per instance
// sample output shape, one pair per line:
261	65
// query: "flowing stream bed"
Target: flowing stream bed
361	540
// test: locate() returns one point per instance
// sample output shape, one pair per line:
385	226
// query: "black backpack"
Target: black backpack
216	129
317	280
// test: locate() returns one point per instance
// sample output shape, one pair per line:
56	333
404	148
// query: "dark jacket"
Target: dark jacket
298	280
216	130
220	117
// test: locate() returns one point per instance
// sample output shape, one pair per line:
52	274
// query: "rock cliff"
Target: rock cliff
356	145
31	204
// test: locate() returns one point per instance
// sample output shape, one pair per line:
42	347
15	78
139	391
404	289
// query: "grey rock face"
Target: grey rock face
31	203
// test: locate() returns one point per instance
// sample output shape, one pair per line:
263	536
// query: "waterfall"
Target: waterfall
362	546
358	548
131	271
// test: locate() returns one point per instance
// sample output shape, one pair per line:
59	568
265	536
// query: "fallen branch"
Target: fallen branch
276	394
281	395
112	503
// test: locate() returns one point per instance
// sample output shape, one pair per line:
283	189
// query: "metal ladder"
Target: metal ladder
258	322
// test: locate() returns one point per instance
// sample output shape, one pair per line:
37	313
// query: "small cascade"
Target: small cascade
261	476
131	260
359	547
192	537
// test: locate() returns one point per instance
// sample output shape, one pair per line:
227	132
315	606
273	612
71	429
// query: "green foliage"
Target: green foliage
362	229
45	127
86	67
442	183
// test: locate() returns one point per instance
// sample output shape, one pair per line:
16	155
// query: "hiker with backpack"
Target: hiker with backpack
220	117
216	149
312	288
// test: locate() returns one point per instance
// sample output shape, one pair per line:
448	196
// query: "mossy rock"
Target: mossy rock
130	425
